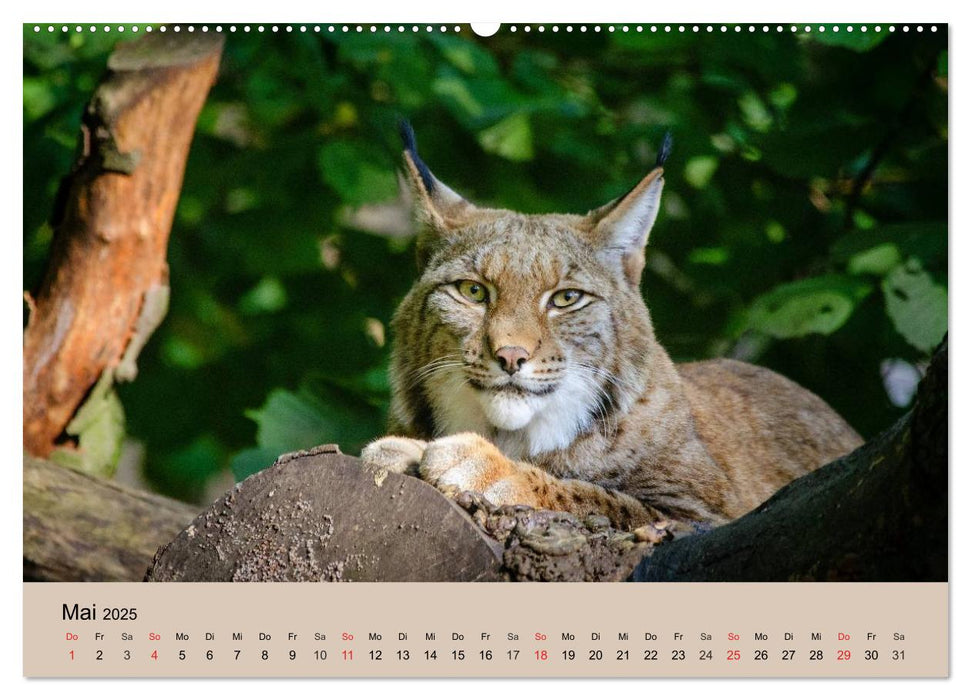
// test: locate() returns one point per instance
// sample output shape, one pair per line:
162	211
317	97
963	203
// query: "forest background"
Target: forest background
804	223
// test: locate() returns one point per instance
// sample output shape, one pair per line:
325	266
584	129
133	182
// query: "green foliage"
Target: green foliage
917	306
803	223
312	416
99	428
850	37
815	305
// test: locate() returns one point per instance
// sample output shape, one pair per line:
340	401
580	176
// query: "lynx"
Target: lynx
525	368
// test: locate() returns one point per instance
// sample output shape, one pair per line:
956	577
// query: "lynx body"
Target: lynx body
525	367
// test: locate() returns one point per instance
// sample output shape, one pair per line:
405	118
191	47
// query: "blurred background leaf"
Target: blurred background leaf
804	222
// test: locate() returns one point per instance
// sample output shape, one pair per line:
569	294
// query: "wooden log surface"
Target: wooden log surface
106	283
322	516
82	528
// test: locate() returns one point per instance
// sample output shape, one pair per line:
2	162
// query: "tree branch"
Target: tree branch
107	271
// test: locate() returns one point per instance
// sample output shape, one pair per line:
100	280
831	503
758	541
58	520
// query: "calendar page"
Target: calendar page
460	350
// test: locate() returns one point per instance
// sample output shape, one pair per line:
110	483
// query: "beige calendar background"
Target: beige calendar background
455	630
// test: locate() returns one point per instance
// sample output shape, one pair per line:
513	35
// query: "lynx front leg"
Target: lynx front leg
399	455
468	462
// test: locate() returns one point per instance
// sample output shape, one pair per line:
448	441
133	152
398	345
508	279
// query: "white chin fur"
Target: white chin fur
507	411
521	426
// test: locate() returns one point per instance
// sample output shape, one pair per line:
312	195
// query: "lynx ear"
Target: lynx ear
621	228
437	208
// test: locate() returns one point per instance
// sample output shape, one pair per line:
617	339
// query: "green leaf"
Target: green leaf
454	90
699	170
99	426
916	305
878	260
926	241
249	462
815	305
854	40
320	412
754	111
289	421
512	138
39	98
465	55
356	173
709	256
268	296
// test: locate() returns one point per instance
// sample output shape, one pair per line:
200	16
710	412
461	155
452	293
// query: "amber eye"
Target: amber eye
473	291
566	297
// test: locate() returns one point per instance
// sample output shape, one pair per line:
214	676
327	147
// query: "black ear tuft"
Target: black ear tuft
662	155
408	140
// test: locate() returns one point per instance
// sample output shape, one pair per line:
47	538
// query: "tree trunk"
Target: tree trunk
106	286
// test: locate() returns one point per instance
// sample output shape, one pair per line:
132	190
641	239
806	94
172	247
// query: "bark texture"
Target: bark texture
107	279
82	528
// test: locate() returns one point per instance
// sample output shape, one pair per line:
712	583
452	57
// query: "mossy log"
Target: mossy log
82	528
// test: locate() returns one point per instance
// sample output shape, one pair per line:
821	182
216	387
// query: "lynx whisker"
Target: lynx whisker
445	362
601	396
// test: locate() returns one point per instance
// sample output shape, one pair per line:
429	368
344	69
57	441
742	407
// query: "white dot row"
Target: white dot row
347	29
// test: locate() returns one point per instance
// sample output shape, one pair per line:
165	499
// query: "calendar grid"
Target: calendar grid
471	630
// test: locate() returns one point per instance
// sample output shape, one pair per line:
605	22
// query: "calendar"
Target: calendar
521	350
472	630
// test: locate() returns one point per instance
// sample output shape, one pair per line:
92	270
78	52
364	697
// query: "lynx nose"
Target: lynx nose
512	358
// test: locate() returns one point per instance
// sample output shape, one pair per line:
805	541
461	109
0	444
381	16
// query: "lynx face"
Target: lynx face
524	329
523	332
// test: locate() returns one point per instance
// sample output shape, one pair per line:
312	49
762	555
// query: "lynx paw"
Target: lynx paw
468	462
399	455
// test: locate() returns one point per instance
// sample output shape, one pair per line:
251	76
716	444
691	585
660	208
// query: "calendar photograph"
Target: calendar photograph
426	303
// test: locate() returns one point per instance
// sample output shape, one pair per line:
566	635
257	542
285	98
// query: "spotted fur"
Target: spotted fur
595	418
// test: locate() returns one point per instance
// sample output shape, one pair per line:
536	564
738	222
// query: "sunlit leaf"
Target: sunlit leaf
699	170
878	260
269	295
512	138
754	111
815	305
709	256
355	173
925	240
916	305
39	98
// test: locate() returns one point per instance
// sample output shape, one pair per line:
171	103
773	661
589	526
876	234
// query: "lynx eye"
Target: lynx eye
565	298
473	291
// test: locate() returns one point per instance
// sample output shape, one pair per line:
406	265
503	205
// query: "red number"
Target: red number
541	655
734	655
843	655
